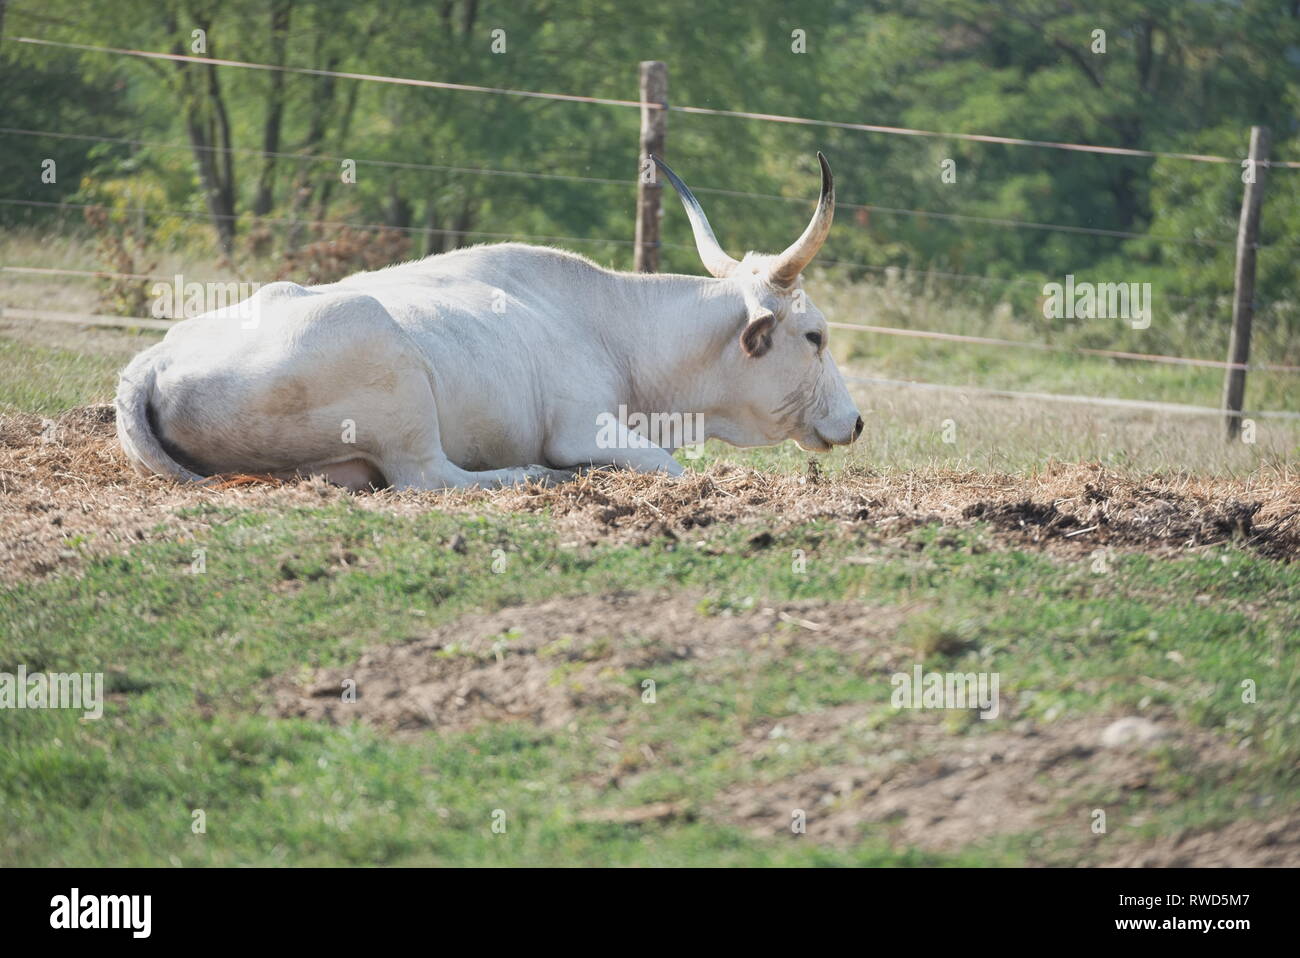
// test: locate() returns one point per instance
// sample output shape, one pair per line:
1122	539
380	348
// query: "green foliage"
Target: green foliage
1173	77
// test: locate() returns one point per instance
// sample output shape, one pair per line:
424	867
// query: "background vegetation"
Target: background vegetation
1175	77
97	572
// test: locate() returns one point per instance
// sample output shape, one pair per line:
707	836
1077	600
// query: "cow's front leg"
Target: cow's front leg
614	445
440	473
410	453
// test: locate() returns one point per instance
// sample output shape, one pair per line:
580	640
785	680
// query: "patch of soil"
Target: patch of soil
1068	509
66	492
1266	844
546	663
928	788
1141	518
916	781
67	495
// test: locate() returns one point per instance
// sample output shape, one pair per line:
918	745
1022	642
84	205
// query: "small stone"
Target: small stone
1132	730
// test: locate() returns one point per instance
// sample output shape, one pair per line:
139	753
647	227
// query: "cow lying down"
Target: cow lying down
490	366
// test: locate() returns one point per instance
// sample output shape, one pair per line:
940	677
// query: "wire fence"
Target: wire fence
1001	222
923	274
10	312
1114	403
856	327
638	104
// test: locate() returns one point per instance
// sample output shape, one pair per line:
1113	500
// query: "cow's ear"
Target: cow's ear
757	336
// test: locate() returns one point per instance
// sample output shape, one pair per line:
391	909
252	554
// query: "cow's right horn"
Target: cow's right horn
717	262
787	267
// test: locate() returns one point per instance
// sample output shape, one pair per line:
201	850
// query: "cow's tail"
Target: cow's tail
135	432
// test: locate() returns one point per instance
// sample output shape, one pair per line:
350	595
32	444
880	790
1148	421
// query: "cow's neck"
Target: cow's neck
681	339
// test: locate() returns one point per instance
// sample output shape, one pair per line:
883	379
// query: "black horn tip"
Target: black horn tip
828	181
682	190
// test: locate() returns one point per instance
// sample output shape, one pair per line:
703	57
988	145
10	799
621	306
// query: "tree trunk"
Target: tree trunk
309	173
432	238
345	125
464	220
265	199
208	127
398	211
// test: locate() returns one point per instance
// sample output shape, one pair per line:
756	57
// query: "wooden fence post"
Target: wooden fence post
654	126
1243	300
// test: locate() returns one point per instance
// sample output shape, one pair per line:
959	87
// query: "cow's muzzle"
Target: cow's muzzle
852	435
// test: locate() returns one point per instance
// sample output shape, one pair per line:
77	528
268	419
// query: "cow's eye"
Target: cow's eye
815	339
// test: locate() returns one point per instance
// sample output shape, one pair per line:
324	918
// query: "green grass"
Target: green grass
1032	371
190	655
1018	368
53	380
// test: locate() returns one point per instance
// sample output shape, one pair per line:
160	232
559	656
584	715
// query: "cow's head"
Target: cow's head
787	385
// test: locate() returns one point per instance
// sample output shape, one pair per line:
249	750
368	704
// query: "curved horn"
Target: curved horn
717	262
787	267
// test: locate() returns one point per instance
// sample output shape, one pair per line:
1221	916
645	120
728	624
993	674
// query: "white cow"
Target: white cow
472	368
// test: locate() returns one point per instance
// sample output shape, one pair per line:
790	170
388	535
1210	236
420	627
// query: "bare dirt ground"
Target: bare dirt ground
1029	778
66	493
488	667
916	782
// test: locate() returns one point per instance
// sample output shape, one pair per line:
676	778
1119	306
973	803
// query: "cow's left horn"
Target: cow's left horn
787	267
716	261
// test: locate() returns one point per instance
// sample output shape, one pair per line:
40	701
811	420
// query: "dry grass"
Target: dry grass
66	492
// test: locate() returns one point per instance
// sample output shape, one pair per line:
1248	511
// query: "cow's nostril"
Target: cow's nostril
857	430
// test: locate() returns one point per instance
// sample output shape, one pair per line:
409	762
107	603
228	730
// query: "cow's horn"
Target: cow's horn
787	267
717	262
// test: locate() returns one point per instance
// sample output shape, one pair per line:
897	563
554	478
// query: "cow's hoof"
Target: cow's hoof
549	477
